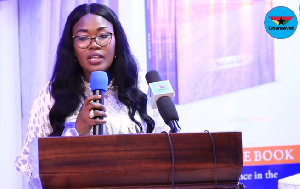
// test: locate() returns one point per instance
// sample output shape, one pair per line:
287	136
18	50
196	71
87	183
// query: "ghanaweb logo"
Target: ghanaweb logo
281	22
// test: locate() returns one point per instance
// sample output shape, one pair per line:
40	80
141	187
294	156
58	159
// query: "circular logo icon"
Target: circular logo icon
281	22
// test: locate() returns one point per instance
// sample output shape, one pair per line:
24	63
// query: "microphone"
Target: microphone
157	88
98	84
160	94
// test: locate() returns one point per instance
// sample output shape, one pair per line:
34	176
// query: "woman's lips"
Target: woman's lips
95	59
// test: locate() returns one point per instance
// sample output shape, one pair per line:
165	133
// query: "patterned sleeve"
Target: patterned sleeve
38	126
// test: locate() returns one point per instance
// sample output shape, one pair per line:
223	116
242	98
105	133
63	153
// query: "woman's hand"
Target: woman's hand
84	122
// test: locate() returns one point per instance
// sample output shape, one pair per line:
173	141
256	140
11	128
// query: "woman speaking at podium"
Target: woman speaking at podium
92	40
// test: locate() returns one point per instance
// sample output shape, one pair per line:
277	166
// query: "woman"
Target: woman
93	39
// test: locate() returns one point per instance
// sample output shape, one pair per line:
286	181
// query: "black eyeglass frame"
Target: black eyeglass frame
93	38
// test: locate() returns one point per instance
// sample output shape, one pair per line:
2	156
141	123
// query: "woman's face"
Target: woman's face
94	57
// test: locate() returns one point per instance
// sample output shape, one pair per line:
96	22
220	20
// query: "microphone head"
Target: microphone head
98	80
167	109
152	76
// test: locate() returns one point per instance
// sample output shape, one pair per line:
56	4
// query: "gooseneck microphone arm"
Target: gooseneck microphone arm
173	124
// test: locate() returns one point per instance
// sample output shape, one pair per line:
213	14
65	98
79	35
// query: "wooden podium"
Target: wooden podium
141	161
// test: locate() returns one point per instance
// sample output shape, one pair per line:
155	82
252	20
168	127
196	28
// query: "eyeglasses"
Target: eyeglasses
84	42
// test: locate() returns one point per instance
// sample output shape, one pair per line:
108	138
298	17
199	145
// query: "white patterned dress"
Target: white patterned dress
118	122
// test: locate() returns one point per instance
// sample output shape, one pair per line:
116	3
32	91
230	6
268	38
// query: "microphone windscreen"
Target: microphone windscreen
98	80
152	76
167	109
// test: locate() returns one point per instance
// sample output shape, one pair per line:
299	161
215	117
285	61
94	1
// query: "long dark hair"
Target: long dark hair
67	86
